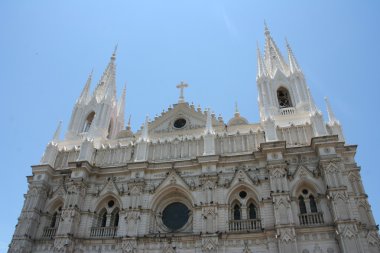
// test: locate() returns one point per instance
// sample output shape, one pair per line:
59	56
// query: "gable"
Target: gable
193	119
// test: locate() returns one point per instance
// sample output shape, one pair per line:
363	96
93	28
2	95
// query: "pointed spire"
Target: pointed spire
121	105
85	95
312	106
261	70
209	129
237	113
57	132
330	113
293	64
129	123
273	58
144	133
107	84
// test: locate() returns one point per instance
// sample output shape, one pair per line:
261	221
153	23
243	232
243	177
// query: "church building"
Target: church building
190	182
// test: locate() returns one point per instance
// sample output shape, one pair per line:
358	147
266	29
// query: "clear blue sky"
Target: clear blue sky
48	48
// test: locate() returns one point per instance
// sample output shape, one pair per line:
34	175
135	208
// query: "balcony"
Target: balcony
101	232
244	225
49	232
311	219
287	111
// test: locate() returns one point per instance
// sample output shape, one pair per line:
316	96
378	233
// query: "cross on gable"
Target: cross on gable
181	86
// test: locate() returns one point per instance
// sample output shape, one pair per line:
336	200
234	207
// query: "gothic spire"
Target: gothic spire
261	70
330	113
106	88
121	105
84	96
144	133
312	106
237	113
209	129
57	132
293	64
272	57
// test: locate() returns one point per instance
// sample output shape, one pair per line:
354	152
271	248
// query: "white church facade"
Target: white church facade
188	182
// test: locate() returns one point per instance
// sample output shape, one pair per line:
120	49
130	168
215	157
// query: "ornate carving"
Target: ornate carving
129	245
209	244
287	235
62	245
246	248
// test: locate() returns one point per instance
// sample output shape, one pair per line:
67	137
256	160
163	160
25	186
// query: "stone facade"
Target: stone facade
287	184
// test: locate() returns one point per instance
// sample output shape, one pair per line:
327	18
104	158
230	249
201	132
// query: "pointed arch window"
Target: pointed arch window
88	122
237	212
107	221
309	214
313	204
283	97
301	202
252	211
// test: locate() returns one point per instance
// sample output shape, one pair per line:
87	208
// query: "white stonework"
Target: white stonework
188	182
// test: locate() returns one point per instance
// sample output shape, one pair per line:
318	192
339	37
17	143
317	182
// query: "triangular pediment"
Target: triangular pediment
241	177
194	119
110	187
172	179
302	172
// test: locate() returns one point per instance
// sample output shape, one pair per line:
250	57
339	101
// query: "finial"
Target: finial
144	133
181	86
330	113
237	113
114	52
266	29
209	129
57	132
129	122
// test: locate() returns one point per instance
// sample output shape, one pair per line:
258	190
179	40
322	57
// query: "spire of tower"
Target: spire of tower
330	113
129	123
312	106
107	84
273	58
261	69
144	133
84	96
209	129
293	64
57	132
121	105
237	113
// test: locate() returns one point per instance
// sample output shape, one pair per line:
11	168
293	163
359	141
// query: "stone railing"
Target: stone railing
309	219
244	225
287	111
103	231
49	232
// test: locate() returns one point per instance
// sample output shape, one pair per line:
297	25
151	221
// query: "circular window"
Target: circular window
179	123
242	194
111	203
175	215
304	191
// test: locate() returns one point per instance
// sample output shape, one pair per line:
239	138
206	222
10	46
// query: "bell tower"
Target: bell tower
284	98
99	115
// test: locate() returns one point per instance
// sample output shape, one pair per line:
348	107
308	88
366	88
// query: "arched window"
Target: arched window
237	212
55	218
301	202
115	218
252	211
109	130
103	218
88	122
313	204
107	222
283	98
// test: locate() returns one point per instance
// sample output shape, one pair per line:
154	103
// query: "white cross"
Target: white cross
181	86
